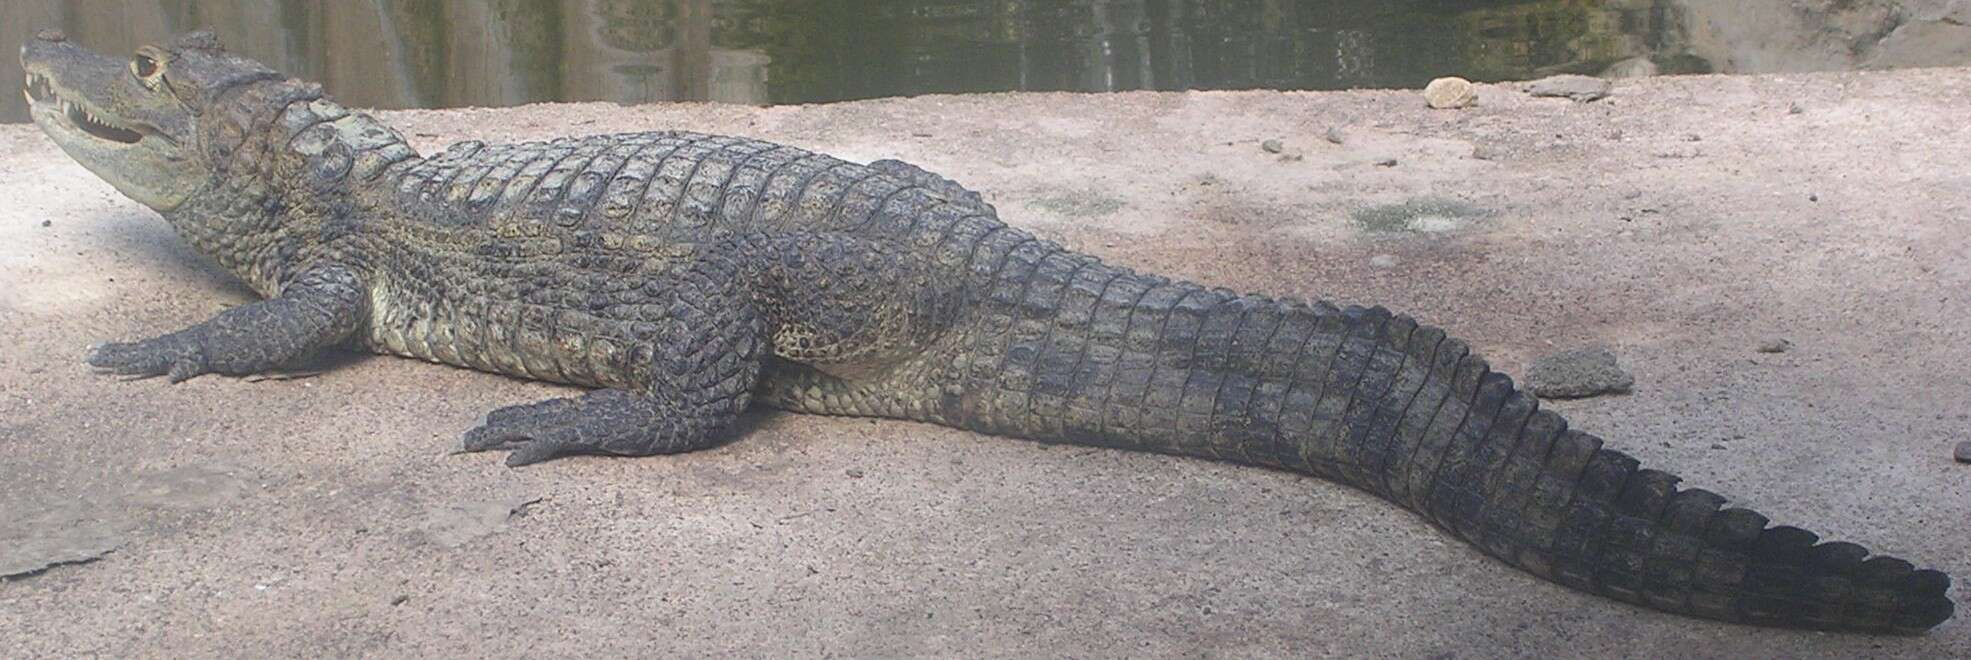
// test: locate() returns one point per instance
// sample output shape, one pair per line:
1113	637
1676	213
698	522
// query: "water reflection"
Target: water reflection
430	53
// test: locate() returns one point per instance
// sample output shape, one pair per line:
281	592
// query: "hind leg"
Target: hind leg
700	339
846	306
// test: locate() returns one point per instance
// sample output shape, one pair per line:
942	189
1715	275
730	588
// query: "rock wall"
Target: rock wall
1772	36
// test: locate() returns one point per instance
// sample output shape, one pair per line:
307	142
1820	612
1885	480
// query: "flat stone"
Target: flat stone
1580	88
1963	452
1578	373
37	540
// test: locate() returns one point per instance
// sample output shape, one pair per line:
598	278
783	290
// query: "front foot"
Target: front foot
613	422
178	356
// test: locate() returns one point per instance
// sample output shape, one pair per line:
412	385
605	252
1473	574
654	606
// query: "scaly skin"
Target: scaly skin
683	275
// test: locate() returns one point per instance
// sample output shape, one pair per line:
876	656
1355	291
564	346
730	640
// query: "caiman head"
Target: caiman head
140	123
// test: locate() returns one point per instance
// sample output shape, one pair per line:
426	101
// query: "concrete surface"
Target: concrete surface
1683	221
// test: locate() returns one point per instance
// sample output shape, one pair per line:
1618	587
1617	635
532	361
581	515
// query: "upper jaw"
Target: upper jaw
57	73
75	112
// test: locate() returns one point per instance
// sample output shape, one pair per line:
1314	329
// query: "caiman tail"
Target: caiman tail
1067	349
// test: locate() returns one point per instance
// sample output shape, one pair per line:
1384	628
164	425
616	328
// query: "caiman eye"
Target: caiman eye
144	66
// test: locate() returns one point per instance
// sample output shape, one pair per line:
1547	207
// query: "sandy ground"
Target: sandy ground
1683	221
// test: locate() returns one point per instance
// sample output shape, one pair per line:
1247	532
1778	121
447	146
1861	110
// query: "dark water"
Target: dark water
407	53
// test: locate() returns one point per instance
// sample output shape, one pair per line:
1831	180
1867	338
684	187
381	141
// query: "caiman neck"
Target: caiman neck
286	182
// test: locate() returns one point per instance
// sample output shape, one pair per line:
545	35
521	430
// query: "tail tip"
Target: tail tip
1922	617
1929	606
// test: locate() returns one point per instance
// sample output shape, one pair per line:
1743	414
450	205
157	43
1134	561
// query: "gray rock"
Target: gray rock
1335	135
1579	88
1775	345
1963	452
1273	146
1488	151
1578	373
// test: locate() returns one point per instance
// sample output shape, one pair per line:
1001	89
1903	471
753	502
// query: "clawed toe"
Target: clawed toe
156	357
535	452
486	437
614	422
533	432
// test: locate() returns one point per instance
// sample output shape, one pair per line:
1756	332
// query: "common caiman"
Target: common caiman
685	277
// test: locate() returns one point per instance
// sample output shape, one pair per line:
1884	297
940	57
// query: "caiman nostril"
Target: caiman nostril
51	34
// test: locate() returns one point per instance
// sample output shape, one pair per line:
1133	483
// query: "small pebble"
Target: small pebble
47	223
1273	146
1795	108
1334	135
1487	152
855	473
1775	345
1813	197
400	599
1963	453
1386	162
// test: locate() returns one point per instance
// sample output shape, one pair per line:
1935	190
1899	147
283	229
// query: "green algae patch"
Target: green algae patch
1420	215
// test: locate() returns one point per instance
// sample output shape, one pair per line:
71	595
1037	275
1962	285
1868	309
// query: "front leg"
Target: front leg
317	308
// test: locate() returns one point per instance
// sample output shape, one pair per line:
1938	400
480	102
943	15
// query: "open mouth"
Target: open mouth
40	90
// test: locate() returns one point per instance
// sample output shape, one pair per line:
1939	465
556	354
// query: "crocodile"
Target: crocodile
684	277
